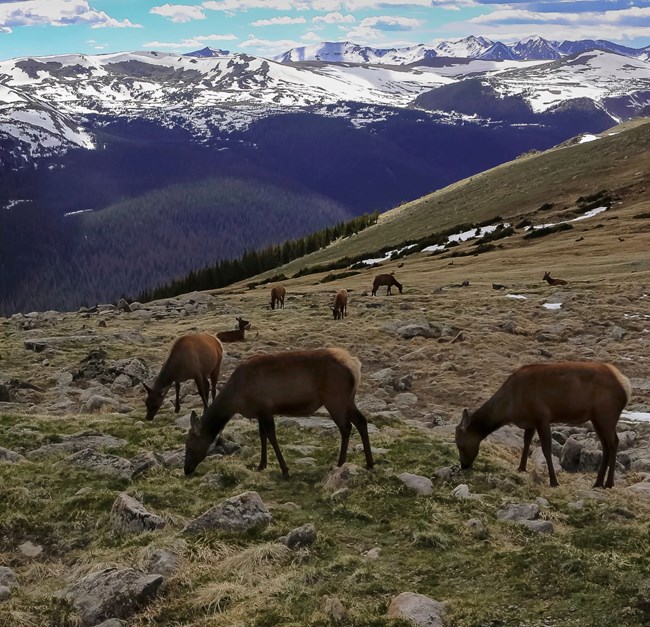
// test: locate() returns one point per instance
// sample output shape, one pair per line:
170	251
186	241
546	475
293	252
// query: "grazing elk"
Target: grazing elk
535	396
295	383
195	356
237	335
277	296
388	280
340	308
551	281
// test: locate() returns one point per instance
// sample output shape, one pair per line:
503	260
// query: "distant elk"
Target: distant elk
277	296
295	383
551	281
340	309
388	280
195	356
236	335
538	395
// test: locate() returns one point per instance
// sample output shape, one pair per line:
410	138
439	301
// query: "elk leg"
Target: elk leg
528	438
609	443
613	448
544	432
203	393
345	427
214	376
270	434
177	404
360	422
263	459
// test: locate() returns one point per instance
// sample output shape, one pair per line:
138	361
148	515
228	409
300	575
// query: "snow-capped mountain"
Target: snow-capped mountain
529	49
208	52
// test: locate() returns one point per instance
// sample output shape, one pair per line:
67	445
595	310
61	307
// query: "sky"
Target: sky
269	27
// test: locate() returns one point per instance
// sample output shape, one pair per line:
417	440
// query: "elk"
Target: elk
237	335
340	308
195	356
294	383
551	281
537	395
277	296
385	279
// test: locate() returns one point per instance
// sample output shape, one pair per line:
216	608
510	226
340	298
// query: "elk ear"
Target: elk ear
195	423
464	422
146	387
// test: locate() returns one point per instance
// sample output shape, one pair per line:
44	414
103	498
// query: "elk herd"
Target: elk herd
298	383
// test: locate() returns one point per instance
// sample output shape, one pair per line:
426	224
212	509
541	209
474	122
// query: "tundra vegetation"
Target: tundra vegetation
62	374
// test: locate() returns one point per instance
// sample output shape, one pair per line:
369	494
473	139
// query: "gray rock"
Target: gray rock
539	469
112	593
302	536
406	399
30	549
122	305
640	489
617	333
122	383
371	405
589	459
403	384
129	515
135	368
542	502
8	578
108	465
384	377
238	513
163	563
446	473
517	512
111	622
173	458
5	593
334	609
144	462
64	379
421	610
340	495
9	457
570	456
98	403
421	485
477	529
538	526
374	553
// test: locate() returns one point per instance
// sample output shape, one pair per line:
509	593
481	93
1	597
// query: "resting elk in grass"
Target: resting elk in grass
388	280
277	296
538	395
236	335
551	281
295	383
340	309
196	356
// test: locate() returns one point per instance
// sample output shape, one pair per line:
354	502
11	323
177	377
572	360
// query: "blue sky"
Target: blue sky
268	27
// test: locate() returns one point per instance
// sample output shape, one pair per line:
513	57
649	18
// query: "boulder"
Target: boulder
640	489
302	536
334	609
8	578
122	305
421	485
144	462
237	514
406	399
5	593
538	526
539	469
9	457
108	465
129	515
570	455
477	529
30	549
112	593
98	403
516	512
77	442
421	610
163	563
340	477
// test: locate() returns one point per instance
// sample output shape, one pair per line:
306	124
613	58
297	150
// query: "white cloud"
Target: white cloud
334	18
388	23
310	36
179	13
269	47
314	5
195	42
56	13
275	21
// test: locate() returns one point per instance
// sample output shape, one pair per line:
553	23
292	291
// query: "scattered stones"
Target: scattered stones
421	485
516	512
446	473
93	366
641	489
374	553
542	502
421	610
173	458
302	536
238	514
406	399
129	515
8	578
334	609
163	563
9	457
144	462
108	465
341	477
477	529
462	493
77	442
538	526
112	593
98	403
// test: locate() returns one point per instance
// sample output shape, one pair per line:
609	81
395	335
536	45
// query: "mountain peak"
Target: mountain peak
208	52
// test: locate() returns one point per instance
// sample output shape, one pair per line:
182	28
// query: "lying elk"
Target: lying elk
295	383
385	279
535	396
277	296
551	281
340	308
196	356
238	334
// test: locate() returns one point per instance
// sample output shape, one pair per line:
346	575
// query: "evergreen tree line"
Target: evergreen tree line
252	263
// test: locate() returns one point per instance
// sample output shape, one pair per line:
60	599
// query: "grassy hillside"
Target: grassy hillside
592	571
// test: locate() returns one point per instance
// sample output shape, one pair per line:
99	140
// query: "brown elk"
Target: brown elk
295	383
195	356
277	296
340	308
537	395
551	281
388	280
238	334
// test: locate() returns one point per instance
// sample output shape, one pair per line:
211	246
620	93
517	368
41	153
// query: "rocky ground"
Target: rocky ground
99	525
